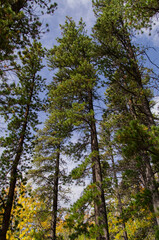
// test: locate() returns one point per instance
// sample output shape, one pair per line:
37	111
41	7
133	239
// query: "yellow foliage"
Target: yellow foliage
26	214
133	225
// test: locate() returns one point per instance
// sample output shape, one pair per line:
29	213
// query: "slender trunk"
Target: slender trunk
55	195
118	196
121	210
99	202
14	174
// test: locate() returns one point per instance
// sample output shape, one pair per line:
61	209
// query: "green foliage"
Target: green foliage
17	96
48	164
136	15
80	170
139	15
157	233
137	137
80	219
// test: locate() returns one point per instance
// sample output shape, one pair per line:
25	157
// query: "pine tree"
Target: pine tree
21	118
119	61
76	81
49	175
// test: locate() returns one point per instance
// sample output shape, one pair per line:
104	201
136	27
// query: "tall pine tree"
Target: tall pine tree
48	173
120	63
21	119
77	81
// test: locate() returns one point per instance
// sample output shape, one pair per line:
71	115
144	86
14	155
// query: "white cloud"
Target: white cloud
151	35
72	8
155	109
74	3
76	10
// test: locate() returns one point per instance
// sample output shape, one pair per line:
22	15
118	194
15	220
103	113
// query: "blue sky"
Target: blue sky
71	8
83	8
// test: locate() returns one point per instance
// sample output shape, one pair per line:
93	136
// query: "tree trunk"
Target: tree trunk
120	205
99	202
55	195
